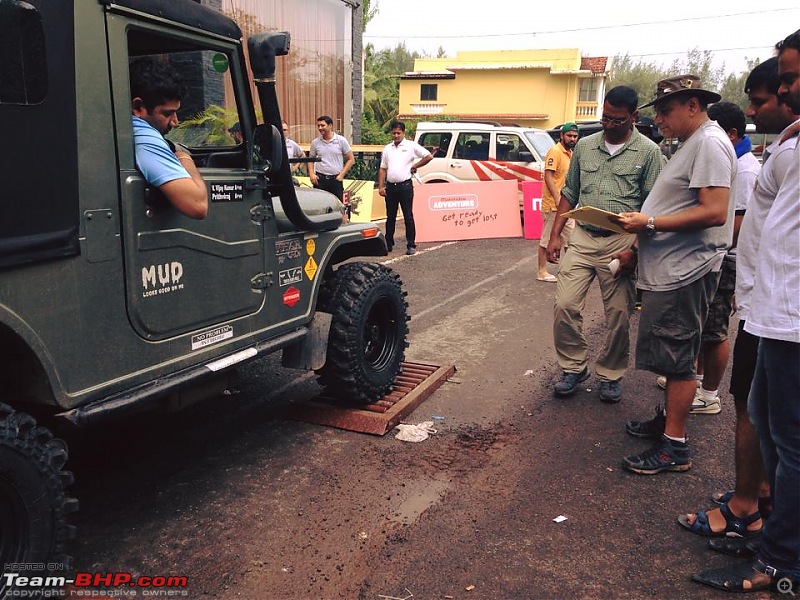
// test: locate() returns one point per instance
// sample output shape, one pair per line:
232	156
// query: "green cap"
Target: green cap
569	127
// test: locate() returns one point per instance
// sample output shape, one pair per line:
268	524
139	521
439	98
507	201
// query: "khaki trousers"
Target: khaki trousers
588	257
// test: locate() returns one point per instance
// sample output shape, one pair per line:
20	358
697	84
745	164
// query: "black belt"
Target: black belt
396	183
598	232
325	176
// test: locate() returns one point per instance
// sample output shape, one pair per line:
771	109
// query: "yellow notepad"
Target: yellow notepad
594	216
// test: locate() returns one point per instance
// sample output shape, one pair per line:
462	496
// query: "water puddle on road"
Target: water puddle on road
422	496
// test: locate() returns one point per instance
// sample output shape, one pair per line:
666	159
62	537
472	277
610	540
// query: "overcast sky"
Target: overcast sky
655	32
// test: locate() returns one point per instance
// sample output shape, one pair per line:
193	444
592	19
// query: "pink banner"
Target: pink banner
532	209
466	211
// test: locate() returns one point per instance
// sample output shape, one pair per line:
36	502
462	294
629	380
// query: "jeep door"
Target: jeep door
184	274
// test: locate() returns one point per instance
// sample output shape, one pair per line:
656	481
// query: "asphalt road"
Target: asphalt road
248	504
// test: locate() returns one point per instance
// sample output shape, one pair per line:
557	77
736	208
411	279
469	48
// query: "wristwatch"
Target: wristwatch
651	225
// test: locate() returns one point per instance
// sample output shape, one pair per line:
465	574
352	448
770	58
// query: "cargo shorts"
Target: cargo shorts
668	341
715	329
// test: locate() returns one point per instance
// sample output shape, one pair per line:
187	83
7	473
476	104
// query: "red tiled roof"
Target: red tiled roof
595	64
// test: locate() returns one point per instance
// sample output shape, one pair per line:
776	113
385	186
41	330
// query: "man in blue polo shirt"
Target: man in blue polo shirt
156	92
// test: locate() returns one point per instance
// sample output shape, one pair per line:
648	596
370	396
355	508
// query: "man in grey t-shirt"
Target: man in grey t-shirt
335	158
685	228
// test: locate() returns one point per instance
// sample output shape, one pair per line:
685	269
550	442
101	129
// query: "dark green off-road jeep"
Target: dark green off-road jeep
113	303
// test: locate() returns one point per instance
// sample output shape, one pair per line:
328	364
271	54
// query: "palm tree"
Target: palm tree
381	82
207	128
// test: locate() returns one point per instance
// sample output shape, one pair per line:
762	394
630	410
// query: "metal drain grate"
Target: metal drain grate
414	385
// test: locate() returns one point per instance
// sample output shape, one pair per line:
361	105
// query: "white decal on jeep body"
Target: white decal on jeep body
290	276
207	338
161	279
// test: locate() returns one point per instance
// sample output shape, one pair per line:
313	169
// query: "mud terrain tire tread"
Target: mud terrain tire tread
369	331
33	528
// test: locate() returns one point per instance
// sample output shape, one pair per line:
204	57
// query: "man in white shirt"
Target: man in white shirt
751	494
715	349
395	184
772	404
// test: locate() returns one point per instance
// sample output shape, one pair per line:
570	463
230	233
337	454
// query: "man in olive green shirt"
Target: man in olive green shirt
613	170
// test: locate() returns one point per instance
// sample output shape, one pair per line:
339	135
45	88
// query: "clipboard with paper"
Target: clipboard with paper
594	216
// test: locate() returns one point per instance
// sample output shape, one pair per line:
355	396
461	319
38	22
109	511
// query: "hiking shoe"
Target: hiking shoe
701	407
666	455
411	251
568	383
652	429
610	391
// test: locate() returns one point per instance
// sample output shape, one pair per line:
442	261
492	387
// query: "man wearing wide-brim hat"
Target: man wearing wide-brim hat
684	229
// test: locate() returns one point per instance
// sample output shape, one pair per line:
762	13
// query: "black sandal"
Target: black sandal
732	578
736	547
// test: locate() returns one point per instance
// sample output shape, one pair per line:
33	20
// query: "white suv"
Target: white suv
472	151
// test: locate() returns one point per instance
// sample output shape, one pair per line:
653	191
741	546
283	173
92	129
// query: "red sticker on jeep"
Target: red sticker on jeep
291	296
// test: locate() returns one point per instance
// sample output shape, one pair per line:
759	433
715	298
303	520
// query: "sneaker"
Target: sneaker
411	251
701	407
610	391
652	429
666	455
568	383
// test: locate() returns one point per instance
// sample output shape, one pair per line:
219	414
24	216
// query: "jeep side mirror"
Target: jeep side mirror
269	147
263	48
525	156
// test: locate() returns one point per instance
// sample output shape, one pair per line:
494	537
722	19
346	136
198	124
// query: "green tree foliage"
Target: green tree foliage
207	128
644	76
640	75
732	88
382	69
699	62
372	133
369	13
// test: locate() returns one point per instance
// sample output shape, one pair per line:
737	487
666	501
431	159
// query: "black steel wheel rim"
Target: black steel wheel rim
380	333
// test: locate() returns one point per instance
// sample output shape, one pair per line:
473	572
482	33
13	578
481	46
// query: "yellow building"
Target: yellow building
533	88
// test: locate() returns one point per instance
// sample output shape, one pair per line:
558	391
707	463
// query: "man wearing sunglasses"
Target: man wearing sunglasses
613	170
685	229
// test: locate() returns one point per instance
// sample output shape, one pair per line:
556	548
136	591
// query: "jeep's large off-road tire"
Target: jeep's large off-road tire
33	500
369	331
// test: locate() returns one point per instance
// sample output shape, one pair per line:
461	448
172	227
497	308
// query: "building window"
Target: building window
429	91
23	67
588	90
